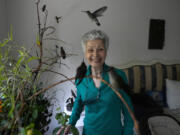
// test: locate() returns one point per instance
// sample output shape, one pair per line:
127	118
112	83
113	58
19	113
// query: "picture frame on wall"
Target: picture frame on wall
156	34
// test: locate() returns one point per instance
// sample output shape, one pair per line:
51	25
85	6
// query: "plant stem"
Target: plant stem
39	24
61	75
105	82
36	71
51	86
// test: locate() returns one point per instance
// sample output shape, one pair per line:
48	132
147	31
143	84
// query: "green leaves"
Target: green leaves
6	41
20	116
74	130
32	58
35	113
29	130
56	130
62	119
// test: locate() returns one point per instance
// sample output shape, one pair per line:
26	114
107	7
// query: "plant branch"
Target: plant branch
40	40
61	75
20	94
51	86
39	23
55	39
105	82
46	14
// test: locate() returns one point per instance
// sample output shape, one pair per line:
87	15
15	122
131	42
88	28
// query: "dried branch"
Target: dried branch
55	39
20	95
51	86
49	27
39	23
105	82
61	75
40	40
46	14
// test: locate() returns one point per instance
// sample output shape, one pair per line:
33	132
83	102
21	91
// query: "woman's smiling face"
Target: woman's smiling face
95	53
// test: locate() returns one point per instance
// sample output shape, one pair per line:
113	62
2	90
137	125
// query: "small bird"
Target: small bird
98	13
63	53
43	8
117	82
58	18
73	94
80	72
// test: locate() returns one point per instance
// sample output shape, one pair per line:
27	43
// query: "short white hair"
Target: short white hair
93	35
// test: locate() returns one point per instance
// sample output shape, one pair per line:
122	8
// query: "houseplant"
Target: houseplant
16	84
23	107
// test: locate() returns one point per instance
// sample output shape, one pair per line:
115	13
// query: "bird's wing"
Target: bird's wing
99	11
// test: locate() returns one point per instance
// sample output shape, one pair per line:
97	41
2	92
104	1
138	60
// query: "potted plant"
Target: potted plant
23	107
17	113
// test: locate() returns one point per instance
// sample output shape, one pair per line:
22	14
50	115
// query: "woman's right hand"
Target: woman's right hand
66	130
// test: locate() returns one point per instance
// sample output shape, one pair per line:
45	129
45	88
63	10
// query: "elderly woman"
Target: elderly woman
103	108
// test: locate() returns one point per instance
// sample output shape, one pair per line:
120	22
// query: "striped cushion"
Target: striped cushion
151	77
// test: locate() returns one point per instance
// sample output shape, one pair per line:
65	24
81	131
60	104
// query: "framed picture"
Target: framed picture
156	34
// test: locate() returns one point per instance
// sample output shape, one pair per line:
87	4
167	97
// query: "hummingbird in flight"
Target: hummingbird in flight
97	13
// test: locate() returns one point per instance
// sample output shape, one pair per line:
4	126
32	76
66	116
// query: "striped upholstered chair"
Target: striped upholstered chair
148	85
151	77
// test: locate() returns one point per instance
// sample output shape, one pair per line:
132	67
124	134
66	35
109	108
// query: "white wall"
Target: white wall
22	15
3	20
125	21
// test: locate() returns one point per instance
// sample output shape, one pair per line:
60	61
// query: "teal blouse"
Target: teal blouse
102	117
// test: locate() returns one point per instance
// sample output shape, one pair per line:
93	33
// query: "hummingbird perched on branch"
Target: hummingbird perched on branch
97	13
63	53
58	18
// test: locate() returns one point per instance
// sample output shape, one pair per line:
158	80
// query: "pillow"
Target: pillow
173	93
